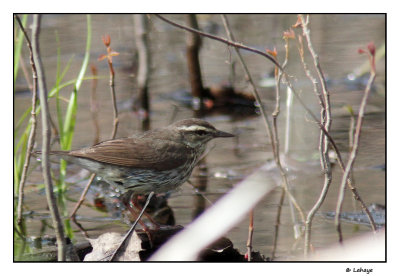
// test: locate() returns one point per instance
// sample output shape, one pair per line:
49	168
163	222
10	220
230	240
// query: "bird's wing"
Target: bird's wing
137	153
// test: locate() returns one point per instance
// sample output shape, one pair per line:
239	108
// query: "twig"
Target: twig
32	133
110	54
325	120
129	233
249	243
277	224
82	198
23	67
354	150
57	222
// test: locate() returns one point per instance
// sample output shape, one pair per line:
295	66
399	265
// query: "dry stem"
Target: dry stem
57	222
32	134
325	120
354	150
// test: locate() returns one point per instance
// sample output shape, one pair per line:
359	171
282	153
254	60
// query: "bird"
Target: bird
156	161
159	160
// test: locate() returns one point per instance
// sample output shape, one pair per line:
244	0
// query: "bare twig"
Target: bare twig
82	198
249	243
24	69
325	120
324	128
354	150
32	133
277	224
110	54
129	233
57	222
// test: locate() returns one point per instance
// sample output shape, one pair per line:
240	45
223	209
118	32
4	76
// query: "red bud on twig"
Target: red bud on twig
371	48
106	40
298	23
289	34
273	53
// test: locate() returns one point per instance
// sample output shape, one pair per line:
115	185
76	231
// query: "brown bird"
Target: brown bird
157	161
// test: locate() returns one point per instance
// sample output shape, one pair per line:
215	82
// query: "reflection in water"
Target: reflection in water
200	186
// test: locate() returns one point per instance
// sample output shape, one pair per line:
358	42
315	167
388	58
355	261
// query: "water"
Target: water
336	38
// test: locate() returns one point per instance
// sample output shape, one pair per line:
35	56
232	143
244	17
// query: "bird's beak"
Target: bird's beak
220	133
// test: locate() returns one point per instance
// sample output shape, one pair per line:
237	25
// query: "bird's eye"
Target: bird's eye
201	132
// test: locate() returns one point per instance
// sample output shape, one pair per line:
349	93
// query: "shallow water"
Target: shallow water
336	38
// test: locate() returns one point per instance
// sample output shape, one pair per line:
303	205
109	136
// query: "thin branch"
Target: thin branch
32	134
277	224
354	150
129	233
249	243
57	222
325	120
108	56
82	198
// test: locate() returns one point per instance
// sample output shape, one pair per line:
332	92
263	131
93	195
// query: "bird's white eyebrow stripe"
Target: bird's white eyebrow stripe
193	128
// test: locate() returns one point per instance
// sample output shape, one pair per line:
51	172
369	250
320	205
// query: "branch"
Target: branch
32	134
354	150
57	222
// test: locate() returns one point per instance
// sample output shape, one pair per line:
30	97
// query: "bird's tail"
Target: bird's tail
54	152
57	153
